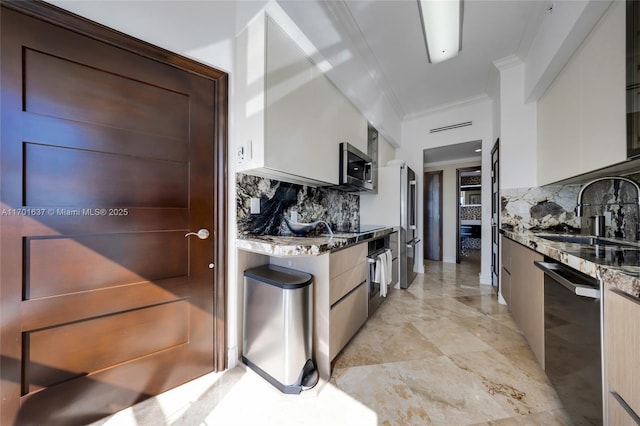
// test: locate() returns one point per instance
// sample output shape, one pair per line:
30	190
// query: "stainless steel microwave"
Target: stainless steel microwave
355	169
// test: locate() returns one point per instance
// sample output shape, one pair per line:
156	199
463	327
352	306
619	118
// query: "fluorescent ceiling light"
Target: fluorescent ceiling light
479	150
442	27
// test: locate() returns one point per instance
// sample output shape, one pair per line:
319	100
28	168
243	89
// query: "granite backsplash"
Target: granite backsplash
552	208
341	210
549	207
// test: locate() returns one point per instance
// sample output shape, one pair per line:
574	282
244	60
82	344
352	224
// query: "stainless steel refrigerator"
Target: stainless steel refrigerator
395	204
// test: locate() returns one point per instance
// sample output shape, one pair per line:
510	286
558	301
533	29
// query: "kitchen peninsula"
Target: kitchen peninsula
339	268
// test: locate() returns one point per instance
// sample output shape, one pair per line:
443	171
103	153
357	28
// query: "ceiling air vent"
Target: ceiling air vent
453	126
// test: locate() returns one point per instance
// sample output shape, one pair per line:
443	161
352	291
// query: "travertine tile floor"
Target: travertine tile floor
443	352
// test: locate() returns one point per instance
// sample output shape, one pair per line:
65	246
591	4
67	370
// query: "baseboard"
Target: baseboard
501	299
449	259
485	279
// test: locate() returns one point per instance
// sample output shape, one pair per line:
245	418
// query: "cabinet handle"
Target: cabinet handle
550	269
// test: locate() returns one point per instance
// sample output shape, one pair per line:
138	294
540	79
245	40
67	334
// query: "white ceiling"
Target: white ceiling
387	36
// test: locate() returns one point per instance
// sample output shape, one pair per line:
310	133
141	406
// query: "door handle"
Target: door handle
203	234
550	269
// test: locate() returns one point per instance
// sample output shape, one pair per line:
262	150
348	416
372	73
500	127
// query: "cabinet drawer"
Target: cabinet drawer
347	281
622	331
346	318
343	260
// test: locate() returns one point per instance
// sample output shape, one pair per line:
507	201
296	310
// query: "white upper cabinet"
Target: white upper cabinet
290	117
582	116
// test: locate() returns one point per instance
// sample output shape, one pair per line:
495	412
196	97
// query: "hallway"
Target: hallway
443	352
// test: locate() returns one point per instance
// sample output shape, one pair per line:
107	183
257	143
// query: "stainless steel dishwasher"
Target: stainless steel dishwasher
572	340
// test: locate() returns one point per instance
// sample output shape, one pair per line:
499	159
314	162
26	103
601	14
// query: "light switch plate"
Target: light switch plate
255	205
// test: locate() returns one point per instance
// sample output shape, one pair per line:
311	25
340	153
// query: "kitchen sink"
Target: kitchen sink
585	239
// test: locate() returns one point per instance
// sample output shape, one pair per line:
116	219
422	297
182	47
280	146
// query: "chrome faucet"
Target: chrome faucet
624	179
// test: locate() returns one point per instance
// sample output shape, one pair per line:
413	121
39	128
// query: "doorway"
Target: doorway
469	214
433	215
111	153
447	160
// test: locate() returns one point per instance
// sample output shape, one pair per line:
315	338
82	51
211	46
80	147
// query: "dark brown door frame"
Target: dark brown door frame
495	216
458	175
426	208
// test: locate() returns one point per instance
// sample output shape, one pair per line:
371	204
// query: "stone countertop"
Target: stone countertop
616	265
284	246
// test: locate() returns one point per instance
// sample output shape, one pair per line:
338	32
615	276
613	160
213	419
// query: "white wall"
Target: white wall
386	151
449	202
518	131
212	25
493	89
416	138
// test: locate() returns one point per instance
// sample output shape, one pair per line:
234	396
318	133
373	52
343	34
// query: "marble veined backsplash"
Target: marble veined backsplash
549	207
278	199
552	208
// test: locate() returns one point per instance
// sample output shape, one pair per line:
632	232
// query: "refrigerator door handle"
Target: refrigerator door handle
413	204
413	243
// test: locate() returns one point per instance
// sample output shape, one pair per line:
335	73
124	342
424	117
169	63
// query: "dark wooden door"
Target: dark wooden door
433	215
107	161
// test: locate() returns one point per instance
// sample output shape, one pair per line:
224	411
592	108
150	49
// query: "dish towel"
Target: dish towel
389	266
383	271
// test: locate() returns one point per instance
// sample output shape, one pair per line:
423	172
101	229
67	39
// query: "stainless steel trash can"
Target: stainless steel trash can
278	318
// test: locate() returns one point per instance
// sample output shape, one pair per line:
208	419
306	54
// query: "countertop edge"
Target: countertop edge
285	246
611	275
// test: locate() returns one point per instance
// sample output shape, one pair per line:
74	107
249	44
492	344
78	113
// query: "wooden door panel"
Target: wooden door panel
64	265
67	221
107	162
41	313
56	354
61	133
90	397
66	89
56	176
